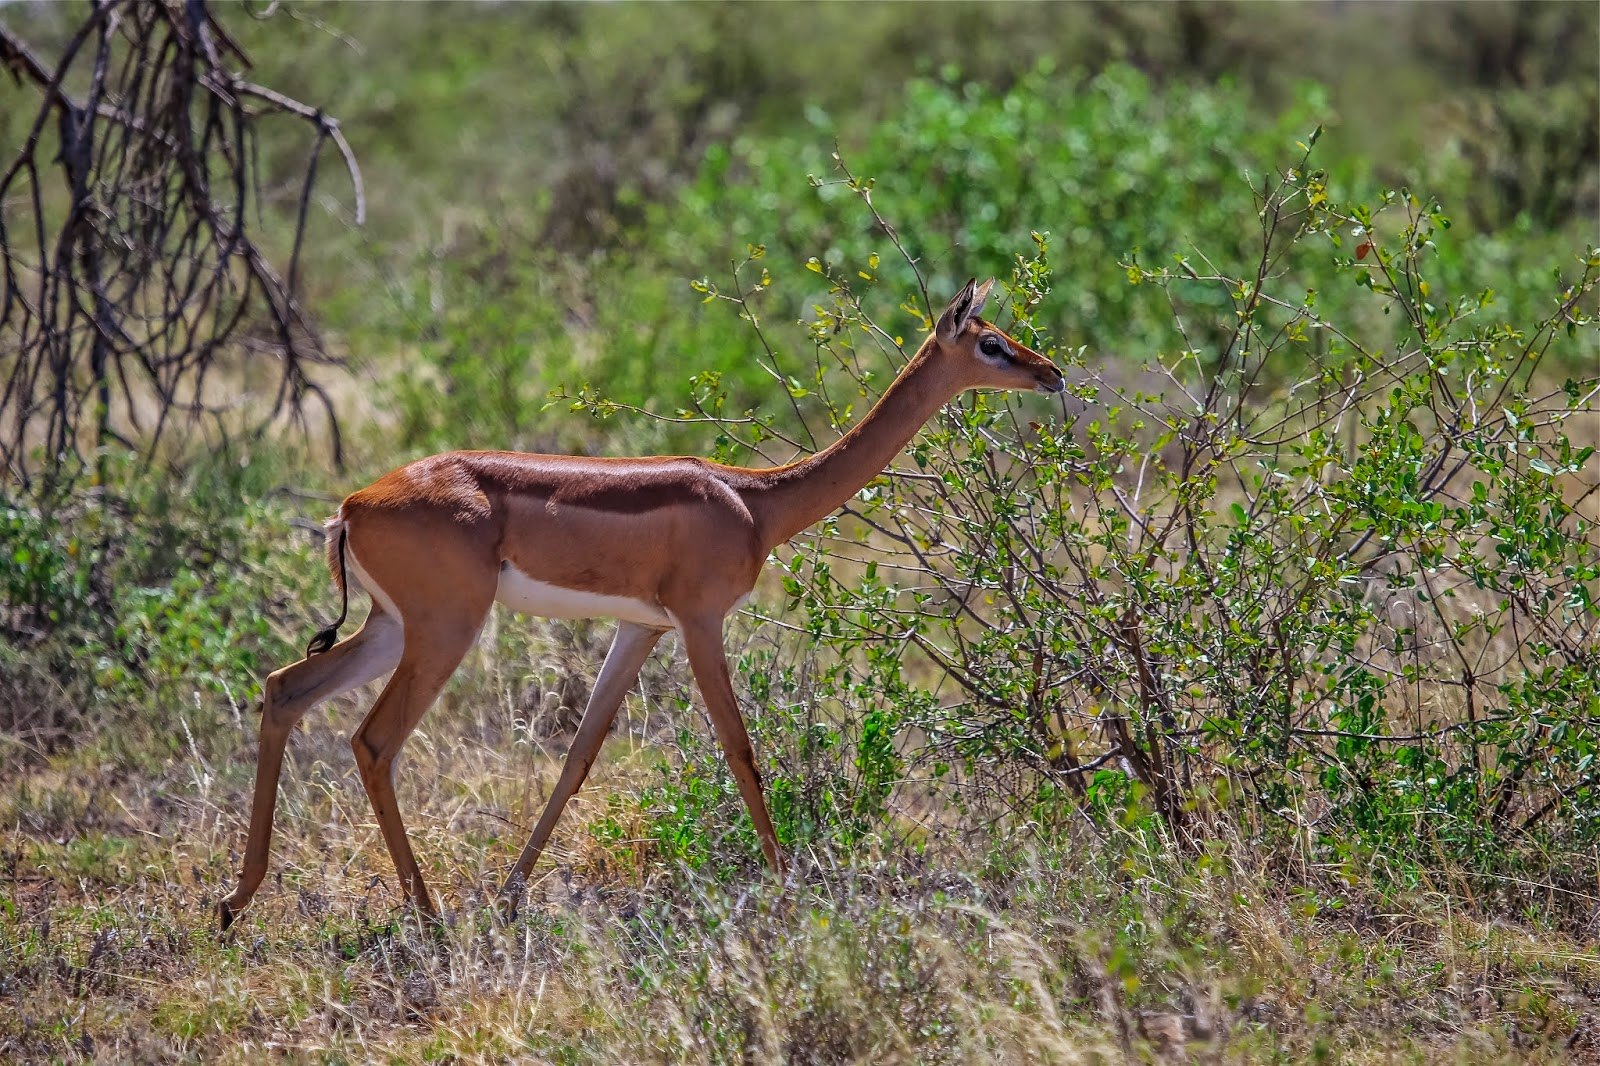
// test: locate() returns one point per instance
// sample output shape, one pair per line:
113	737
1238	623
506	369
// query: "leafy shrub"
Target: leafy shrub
1107	164
1111	166
478	377
1335	573
151	592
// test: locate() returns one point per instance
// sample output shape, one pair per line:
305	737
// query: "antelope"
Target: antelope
659	543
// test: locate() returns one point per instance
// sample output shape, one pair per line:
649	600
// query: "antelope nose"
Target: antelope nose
1053	381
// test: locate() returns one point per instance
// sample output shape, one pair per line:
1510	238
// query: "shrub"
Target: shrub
1335	573
147	593
1111	166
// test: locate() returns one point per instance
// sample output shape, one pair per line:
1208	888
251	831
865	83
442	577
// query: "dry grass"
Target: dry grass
1088	949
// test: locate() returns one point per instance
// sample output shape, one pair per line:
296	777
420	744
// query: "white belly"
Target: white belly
520	592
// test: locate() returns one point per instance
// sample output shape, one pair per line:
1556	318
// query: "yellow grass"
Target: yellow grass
990	948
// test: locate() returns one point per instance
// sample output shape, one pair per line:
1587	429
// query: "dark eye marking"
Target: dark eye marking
996	348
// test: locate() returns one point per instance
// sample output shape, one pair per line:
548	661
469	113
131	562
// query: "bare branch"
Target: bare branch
132	285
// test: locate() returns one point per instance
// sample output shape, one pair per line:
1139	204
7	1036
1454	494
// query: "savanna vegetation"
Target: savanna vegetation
1241	704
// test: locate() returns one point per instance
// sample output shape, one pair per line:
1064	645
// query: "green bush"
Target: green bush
1110	169
1334	570
1107	165
151	592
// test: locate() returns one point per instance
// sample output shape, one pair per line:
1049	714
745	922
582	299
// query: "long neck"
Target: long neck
790	498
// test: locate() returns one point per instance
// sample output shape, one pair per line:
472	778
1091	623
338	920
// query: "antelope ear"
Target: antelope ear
980	296
960	311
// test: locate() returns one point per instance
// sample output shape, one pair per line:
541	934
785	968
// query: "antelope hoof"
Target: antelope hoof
509	900
505	908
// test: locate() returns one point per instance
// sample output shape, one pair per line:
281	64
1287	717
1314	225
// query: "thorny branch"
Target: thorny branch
131	283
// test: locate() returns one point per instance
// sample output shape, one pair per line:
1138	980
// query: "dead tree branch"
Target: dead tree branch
135	297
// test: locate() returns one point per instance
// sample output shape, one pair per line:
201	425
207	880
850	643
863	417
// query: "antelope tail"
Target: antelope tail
327	637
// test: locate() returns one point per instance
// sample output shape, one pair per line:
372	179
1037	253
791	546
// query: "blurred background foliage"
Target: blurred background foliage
588	160
544	178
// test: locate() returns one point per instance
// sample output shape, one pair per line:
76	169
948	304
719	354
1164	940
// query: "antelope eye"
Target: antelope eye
994	346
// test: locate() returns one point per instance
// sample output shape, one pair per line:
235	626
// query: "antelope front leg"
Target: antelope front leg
629	649
703	641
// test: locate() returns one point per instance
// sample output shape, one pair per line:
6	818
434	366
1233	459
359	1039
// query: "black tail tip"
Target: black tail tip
324	640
